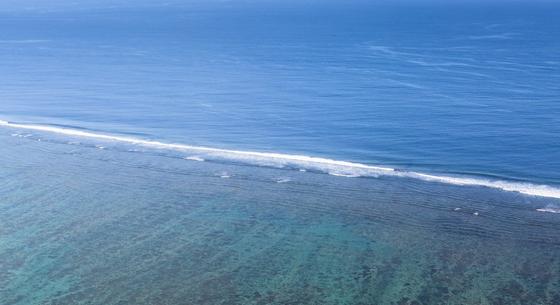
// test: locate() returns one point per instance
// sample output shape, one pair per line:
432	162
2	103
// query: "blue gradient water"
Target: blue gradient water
470	90
467	91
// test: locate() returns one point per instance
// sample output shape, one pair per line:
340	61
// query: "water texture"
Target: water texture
279	153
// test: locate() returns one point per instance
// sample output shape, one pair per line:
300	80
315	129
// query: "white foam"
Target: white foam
224	175
344	175
195	158
330	166
549	210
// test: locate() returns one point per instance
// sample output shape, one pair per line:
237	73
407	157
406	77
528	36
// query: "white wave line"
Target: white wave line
333	167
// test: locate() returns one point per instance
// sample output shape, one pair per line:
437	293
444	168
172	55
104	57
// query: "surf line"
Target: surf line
330	166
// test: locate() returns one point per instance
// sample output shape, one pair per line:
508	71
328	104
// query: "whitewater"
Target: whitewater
300	162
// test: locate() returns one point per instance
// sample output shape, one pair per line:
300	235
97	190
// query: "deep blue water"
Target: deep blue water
470	90
467	91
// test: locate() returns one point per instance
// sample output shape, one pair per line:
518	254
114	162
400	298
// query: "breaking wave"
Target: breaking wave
299	162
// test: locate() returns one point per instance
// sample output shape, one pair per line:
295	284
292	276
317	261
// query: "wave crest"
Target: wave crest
299	162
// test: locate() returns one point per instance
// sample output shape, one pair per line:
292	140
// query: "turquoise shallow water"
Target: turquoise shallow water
90	222
279	153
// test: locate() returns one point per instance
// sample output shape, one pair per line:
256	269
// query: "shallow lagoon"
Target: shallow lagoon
115	224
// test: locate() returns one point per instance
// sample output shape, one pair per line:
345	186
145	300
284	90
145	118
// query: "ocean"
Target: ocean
241	152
